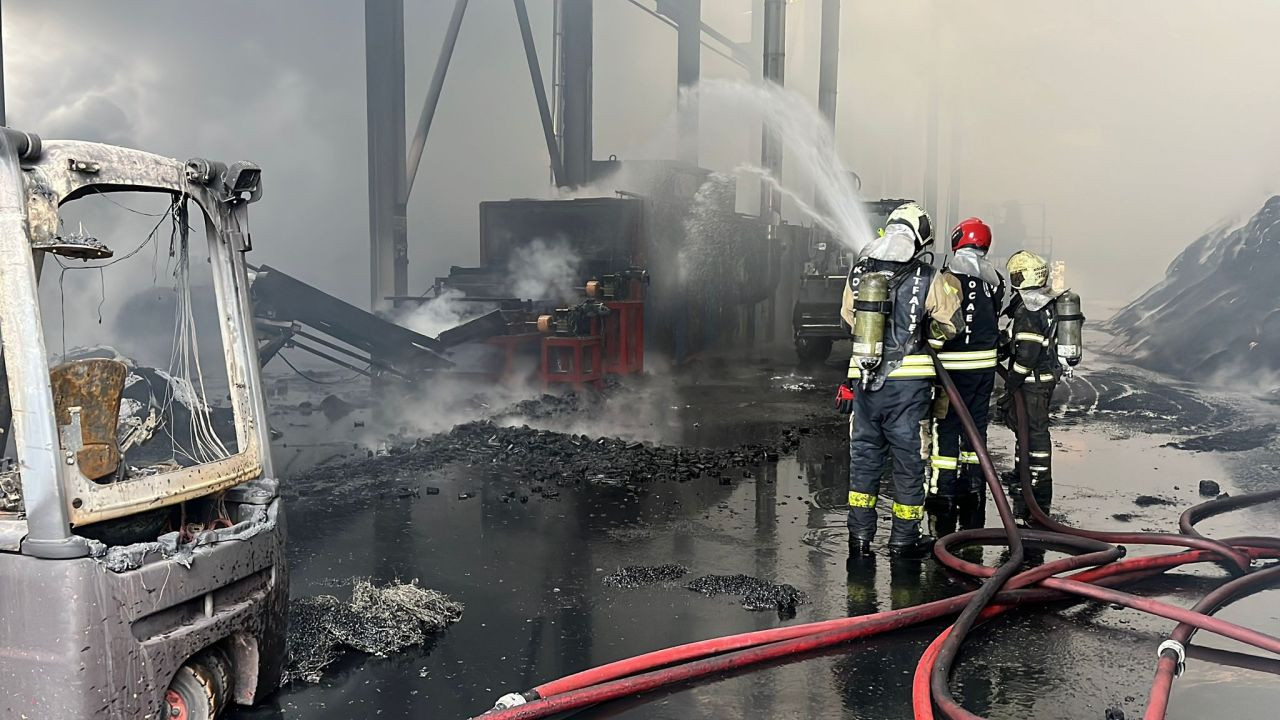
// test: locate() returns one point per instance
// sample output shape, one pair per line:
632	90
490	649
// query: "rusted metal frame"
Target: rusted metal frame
51	183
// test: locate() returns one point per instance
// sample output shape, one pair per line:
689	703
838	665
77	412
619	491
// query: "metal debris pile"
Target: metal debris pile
377	621
542	456
756	594
634	576
547	406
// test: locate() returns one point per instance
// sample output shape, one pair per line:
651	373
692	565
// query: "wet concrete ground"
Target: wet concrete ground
530	574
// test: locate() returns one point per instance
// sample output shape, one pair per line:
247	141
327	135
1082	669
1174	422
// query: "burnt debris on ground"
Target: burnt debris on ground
544	457
1133	398
634	576
1233	440
547	406
754	593
376	621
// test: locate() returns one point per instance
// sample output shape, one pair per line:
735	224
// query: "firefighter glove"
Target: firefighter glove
844	398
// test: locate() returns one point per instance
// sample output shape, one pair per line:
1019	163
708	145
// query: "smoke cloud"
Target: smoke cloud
545	270
1129	127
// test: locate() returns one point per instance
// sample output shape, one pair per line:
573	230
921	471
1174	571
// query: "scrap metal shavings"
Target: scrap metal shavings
377	621
756	594
634	576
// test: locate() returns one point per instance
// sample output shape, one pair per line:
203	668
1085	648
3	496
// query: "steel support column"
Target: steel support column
540	92
953	180
688	72
384	90
829	60
6	409
775	33
576	23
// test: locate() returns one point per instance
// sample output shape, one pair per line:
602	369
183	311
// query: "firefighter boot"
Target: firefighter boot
906	541
862	527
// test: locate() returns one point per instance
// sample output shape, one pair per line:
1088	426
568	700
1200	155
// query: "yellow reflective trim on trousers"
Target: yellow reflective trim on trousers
908	512
861	500
943	462
1021	369
968	458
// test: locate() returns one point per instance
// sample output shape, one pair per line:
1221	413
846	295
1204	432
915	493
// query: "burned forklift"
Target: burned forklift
188	622
815	318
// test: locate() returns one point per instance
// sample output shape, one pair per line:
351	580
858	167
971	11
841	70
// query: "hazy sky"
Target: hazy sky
1136	124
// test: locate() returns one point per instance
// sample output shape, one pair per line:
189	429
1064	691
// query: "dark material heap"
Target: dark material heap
544	457
1214	315
634	576
756	594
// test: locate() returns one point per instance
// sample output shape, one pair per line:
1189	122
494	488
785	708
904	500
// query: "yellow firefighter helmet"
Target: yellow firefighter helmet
1027	270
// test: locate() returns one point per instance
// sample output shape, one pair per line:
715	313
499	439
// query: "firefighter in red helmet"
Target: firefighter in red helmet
956	490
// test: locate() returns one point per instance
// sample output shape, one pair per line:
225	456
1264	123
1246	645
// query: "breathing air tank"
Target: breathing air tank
869	313
1070	328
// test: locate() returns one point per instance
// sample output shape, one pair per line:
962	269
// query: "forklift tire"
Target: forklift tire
215	661
813	350
192	694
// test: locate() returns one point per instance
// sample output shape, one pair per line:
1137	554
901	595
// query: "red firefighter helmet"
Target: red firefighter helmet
971	232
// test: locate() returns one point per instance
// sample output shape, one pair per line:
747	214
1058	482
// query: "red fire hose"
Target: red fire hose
1004	588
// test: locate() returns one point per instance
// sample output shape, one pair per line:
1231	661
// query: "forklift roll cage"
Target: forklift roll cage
57	494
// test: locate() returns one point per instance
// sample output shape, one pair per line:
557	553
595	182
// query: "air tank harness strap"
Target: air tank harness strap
884	307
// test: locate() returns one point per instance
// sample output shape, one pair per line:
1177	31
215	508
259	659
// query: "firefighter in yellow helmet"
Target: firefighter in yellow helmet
1036	361
895	302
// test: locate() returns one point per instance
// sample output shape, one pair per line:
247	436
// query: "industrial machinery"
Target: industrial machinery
289	313
815	318
190	621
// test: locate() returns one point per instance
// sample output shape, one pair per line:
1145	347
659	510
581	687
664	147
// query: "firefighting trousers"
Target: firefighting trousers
886	423
1039	397
953	463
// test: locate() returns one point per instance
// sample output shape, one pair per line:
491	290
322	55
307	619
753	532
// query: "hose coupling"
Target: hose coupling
510	700
1178	650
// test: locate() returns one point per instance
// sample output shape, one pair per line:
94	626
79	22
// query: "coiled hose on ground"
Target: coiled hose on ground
1096	563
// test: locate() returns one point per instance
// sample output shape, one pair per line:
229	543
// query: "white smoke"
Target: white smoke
446	310
545	270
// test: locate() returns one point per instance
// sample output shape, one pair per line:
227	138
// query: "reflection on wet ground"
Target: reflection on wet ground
531	575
